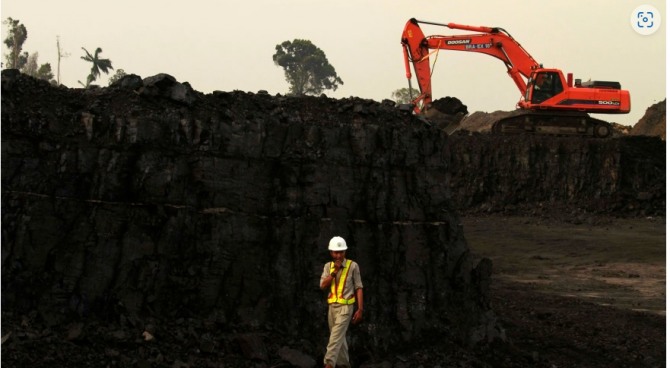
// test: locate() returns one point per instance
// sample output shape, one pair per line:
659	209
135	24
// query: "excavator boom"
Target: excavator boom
495	42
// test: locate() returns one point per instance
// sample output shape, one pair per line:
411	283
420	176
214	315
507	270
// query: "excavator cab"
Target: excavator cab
543	85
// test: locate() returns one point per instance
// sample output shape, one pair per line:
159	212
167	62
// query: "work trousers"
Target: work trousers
337	352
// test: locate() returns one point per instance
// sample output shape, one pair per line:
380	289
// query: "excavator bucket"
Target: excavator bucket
446	114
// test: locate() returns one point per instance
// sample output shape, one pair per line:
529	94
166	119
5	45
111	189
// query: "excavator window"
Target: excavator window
546	85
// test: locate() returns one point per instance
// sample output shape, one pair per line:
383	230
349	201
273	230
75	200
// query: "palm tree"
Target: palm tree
99	65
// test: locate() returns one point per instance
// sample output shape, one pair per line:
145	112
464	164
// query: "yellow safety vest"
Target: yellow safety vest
337	286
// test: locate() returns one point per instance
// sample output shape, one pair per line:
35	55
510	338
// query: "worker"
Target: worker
343	277
543	89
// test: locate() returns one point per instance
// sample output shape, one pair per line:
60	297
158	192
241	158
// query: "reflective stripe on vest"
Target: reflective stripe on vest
336	288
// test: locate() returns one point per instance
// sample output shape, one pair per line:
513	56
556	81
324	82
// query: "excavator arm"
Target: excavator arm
492	41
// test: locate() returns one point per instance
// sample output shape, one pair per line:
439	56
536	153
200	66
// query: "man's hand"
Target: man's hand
358	317
338	265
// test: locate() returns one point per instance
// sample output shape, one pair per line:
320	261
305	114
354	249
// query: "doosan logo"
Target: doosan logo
458	42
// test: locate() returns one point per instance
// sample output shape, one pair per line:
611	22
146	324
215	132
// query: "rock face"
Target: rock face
539	174
155	201
543	175
148	202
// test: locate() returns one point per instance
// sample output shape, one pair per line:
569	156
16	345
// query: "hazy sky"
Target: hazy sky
228	45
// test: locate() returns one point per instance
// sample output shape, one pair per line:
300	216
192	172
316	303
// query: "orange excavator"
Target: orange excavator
549	103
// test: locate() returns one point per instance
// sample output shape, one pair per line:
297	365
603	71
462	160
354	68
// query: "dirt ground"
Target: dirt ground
577	294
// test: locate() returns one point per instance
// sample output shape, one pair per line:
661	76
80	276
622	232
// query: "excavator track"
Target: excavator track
558	123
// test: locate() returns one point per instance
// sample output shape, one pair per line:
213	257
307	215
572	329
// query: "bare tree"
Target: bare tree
61	54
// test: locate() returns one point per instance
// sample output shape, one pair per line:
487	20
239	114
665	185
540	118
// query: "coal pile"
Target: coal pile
653	121
147	224
446	113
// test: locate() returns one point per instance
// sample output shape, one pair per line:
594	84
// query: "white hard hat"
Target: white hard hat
337	243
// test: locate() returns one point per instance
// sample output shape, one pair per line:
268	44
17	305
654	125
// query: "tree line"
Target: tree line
306	67
28	64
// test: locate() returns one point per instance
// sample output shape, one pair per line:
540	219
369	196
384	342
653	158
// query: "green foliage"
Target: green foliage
33	69
99	65
16	37
120	73
403	95
306	68
44	72
17	58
